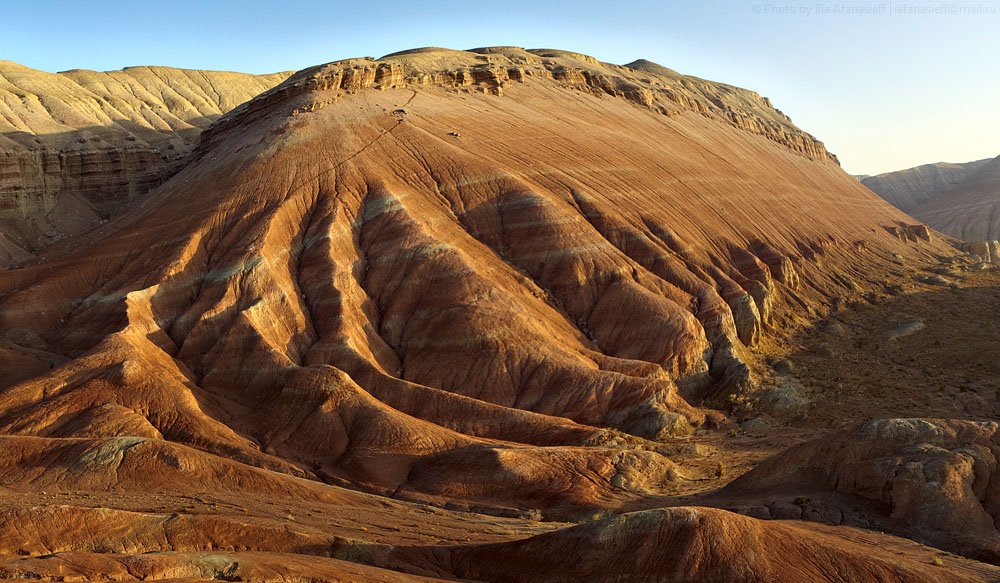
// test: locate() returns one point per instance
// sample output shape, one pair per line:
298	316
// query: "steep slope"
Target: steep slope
960	200
499	280
75	146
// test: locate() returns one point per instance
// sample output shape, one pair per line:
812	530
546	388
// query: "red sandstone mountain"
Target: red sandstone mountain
495	280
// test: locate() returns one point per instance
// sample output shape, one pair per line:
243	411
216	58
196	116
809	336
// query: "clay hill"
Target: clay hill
450	315
961	200
77	146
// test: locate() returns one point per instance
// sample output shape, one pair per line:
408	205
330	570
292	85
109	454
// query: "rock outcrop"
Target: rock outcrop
913	233
928	479
983	251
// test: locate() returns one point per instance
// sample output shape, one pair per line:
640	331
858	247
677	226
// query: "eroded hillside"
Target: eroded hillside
497	281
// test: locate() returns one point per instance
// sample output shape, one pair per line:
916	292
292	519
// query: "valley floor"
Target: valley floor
923	351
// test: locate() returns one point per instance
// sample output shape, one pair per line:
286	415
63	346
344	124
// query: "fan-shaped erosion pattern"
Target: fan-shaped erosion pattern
481	287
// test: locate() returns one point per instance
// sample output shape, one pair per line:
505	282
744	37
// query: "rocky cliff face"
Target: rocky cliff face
492	69
961	200
78	145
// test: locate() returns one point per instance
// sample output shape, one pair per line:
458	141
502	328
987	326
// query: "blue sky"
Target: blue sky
883	88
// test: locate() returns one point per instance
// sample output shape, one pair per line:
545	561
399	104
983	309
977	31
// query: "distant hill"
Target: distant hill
962	200
75	146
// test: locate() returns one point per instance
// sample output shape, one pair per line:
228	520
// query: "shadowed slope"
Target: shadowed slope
102	514
929	479
699	544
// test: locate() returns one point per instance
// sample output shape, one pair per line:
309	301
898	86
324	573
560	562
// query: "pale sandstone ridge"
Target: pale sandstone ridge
495	280
971	210
961	200
77	145
908	189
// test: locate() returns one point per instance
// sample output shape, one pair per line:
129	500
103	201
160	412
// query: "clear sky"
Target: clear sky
884	89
